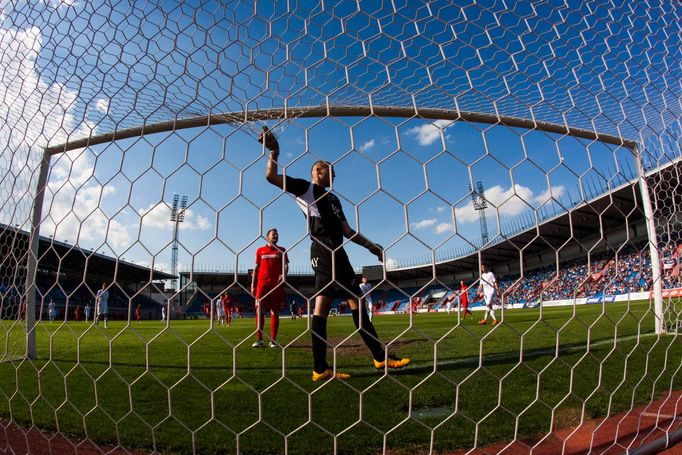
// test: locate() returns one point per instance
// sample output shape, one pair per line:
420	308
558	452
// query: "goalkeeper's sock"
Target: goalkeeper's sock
274	325
260	319
368	333
318	333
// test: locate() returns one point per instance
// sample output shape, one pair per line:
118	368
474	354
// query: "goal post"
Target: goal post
32	257
657	292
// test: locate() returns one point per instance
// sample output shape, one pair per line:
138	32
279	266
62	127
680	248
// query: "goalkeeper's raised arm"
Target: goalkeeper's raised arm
268	139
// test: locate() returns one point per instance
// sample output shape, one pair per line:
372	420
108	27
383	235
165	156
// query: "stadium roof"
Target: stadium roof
232	280
608	212
619	208
62	257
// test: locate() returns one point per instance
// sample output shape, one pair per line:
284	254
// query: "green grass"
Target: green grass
188	387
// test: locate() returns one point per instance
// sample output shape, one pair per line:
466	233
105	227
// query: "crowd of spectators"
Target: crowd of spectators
608	273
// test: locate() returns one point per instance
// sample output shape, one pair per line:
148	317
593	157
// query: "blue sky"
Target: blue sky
422	204
89	68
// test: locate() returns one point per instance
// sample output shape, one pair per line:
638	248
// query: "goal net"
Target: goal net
506	179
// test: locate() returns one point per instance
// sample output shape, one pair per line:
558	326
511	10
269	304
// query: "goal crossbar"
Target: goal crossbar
341	111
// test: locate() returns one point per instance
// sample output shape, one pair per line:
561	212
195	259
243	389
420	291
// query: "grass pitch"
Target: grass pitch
188	387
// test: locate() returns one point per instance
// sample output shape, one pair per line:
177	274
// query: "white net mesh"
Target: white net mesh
541	138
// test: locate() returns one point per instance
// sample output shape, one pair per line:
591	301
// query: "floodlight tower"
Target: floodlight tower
480	204
177	216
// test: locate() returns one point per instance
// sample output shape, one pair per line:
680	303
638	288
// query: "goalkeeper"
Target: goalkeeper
334	275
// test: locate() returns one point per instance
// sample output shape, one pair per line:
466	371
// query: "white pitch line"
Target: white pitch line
658	416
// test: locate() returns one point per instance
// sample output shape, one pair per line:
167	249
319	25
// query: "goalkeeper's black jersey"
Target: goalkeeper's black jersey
322	208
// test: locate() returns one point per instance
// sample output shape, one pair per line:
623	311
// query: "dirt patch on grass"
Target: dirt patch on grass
353	347
567	417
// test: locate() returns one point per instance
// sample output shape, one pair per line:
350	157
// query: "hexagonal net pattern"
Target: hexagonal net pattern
504	177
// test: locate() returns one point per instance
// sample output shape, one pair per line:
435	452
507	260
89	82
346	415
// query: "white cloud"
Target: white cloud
367	146
158	216
39	114
102	105
442	228
72	205
423	224
555	191
511	201
430	132
391	264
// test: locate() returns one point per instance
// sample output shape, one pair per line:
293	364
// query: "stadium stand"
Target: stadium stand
609	274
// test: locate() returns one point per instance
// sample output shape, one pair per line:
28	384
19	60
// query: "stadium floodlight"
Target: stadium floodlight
480	204
177	216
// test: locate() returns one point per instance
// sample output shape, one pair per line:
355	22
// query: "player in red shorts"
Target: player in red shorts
226	302
416	301
464	300
267	285
138	313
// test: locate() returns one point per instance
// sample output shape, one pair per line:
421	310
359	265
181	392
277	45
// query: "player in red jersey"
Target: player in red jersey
138	313
267	285
464	300
226	302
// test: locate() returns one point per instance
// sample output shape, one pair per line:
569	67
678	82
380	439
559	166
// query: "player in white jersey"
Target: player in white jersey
488	288
448	302
366	289
102	306
51	311
220	312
